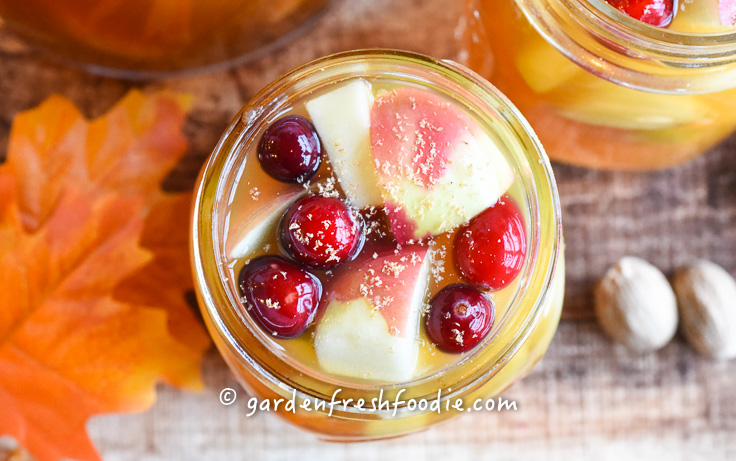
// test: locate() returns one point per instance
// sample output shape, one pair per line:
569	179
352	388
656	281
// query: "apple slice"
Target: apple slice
727	9
370	326
697	16
436	167
558	69
342	118
594	101
253	232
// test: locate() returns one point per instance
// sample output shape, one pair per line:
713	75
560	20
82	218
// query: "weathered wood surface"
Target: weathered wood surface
588	399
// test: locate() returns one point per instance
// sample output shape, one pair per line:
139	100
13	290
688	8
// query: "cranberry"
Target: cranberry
290	150
489	251
282	296
459	318
321	232
657	13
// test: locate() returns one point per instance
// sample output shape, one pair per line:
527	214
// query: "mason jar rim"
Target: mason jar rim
221	163
631	53
656	34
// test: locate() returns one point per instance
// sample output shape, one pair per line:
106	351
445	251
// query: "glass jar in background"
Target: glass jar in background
602	89
151	38
233	192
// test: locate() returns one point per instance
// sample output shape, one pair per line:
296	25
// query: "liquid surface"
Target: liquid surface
700	16
409	274
155	35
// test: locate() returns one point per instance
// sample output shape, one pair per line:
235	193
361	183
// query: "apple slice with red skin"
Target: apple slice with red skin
372	312
436	167
727	10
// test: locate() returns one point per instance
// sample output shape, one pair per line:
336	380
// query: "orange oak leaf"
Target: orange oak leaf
94	270
159	282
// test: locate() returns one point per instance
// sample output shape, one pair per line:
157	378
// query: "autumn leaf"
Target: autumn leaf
94	270
159	282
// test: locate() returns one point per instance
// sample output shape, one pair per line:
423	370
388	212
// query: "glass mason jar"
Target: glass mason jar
602	89
149	38
264	365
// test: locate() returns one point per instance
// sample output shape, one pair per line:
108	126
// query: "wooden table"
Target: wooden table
587	399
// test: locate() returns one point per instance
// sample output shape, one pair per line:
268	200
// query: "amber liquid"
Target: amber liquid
580	117
155	35
255	191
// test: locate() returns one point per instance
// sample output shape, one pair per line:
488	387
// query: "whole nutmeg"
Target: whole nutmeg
706	296
636	306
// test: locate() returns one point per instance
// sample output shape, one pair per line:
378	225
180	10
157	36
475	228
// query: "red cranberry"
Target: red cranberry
459	318
281	296
489	251
657	13
321	232
290	150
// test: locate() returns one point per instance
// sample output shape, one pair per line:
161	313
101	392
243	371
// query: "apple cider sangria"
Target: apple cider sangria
629	84
152	38
376	227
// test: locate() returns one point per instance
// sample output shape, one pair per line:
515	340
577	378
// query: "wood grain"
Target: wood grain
587	398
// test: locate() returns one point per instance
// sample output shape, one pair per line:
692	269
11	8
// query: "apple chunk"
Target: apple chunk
436	167
370	325
727	10
253	232
342	119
